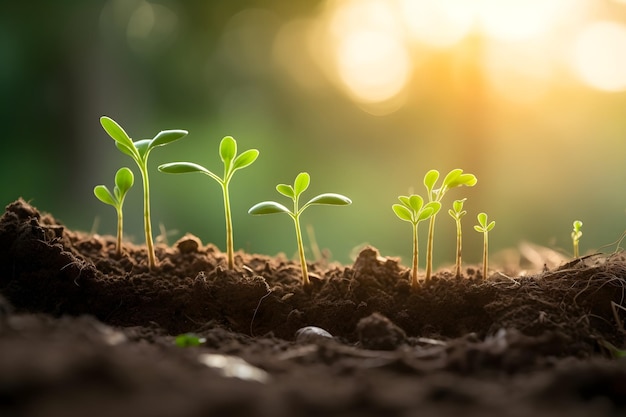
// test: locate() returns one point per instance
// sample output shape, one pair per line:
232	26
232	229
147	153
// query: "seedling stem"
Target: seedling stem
484	228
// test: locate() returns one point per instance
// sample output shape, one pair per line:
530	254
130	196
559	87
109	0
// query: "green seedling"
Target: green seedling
293	192
576	235
454	178
412	209
124	180
457	212
232	162
188	340
139	152
484	228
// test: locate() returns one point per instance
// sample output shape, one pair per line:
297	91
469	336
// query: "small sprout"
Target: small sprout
484	228
456	212
139	152
188	340
414	210
293	192
232	162
576	235
124	180
454	178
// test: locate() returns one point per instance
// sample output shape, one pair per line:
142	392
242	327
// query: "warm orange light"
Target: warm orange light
599	56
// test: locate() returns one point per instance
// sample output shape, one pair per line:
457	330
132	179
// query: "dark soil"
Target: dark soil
85	333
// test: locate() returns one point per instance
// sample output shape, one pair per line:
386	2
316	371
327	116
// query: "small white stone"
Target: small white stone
311	334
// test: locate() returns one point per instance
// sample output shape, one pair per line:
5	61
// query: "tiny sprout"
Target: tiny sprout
484	228
456	212
300	185
188	339
576	235
232	162
454	178
124	180
414	210
139	152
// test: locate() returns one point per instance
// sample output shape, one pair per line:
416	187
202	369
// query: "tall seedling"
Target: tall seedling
232	162
139	152
457	212
454	178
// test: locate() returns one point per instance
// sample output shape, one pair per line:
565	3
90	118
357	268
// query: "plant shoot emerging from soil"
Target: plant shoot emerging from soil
412	209
454	178
124	180
457	212
139	152
300	185
484	227
232	162
576	235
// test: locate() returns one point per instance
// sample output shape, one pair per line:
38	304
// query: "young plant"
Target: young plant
293	192
456	212
484	228
454	178
576	235
232	162
139	152
124	180
412	209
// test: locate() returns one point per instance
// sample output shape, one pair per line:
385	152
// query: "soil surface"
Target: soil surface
86	333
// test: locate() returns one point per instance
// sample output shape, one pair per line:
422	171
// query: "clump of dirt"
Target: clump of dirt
524	327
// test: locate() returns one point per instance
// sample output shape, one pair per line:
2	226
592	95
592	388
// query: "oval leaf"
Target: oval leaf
330	199
430	179
491	226
301	183
434	205
182	168
416	202
143	148
167	136
426	213
464	179
402	212
405	200
245	159
132	152
482	219
124	180
228	149
286	190
479	229
103	194
268	207
116	132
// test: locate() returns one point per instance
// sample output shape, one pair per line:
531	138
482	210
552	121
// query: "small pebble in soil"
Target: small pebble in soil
377	332
311	334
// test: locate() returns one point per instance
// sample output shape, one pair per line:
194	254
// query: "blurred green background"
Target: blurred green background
366	96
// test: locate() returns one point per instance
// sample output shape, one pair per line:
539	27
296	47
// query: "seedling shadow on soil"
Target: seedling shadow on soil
540	342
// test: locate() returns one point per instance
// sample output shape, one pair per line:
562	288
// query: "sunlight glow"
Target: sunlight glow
599	56
438	23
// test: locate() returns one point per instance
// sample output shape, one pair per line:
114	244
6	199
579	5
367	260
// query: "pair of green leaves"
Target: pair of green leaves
140	149
300	185
124	180
412	208
483	226
456	212
454	178
577	232
228	155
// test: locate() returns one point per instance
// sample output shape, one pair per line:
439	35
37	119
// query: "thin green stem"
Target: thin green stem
415	257
229	228
305	272
485	253
457	271
429	248
146	218
575	248
120	228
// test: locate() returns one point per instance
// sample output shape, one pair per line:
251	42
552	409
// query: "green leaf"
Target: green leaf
463	179
491	226
330	199
458	205
430	179
103	194
132	152
167	136
188	340
451	177
124	180
228	149
245	159
182	168
116	132
416	202
405	200
268	207
301	183
143	148
479	229
435	205
482	219
402	212
286	190
424	214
